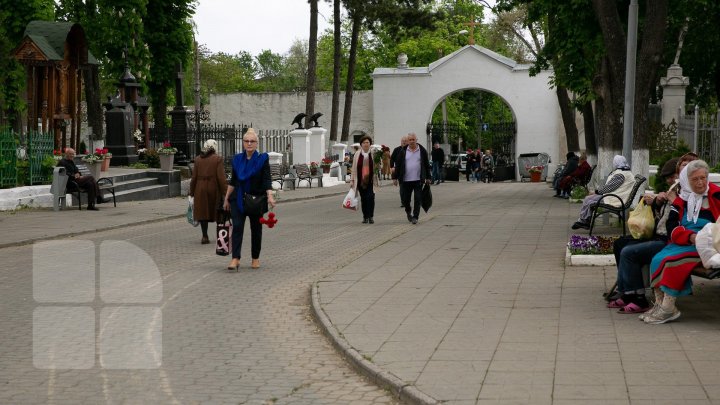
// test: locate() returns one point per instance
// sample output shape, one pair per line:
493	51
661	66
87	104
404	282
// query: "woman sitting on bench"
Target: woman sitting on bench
697	205
620	182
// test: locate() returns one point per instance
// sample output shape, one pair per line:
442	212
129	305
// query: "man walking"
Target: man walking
438	160
412	170
393	161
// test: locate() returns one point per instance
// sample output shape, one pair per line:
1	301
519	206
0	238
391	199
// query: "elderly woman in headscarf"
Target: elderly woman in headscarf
697	205
620	182
207	186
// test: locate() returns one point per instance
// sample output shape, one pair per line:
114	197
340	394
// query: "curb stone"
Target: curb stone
406	393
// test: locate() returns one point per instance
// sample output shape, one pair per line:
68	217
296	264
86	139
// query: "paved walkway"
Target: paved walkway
476	306
472	305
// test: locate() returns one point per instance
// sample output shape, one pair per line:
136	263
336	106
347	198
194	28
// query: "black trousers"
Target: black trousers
367	201
93	191
238	222
407	189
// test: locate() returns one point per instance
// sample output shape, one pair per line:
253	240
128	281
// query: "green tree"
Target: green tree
168	35
14	17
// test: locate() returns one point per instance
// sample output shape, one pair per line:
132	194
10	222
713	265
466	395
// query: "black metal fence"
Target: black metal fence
228	137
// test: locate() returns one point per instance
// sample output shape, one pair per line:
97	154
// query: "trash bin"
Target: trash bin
528	160
451	172
57	188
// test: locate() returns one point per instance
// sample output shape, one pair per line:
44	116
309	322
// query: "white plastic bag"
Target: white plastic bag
350	201
705	242
189	213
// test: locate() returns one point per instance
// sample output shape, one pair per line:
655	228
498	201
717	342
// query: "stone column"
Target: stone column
300	146
674	85
317	143
339	149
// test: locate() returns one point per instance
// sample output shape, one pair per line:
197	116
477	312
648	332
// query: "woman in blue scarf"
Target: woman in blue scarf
250	175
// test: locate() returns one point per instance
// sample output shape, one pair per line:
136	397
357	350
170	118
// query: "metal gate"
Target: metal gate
500	137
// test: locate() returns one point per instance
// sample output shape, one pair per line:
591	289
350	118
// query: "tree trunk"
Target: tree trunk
589	124
312	63
336	71
92	99
357	20
568	117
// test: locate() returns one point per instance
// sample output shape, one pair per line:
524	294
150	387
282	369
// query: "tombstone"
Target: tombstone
120	120
275	158
180	121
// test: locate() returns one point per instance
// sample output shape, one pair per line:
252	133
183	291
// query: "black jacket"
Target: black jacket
425	169
394	155
438	155
570	166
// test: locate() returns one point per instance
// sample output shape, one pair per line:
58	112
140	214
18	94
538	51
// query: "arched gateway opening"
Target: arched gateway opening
405	100
472	119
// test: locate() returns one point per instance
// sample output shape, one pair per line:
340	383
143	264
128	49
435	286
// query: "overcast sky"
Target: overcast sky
232	26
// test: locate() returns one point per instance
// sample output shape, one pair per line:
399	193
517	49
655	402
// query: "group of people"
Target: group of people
409	167
213	195
480	167
577	171
690	203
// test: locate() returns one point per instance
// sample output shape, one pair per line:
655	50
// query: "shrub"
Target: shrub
152	159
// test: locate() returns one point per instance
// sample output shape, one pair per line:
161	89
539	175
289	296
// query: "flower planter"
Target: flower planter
535	177
588	260
95	168
326	169
166	162
106	163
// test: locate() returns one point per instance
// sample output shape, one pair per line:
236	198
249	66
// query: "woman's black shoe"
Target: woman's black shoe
370	221
365	220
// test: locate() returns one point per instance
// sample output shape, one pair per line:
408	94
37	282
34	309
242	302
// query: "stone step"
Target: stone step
124	185
144	193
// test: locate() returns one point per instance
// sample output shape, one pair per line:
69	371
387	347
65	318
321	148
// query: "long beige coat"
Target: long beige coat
208	186
375	180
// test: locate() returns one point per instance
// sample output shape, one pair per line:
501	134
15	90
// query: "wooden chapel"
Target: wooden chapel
54	55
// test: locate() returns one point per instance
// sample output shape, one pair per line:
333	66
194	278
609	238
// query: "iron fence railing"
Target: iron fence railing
25	159
701	132
228	137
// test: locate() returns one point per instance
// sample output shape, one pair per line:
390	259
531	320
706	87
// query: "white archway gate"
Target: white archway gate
404	98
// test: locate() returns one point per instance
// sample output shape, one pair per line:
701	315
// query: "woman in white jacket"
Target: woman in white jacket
620	182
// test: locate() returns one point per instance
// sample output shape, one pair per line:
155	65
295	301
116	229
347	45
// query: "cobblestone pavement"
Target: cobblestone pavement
227	337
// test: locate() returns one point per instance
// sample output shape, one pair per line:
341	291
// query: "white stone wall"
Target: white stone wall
277	110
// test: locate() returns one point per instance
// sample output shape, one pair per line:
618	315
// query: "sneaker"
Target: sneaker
649	313
414	221
662	316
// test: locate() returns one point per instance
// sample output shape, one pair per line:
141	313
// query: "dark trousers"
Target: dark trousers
407	189
238	222
88	183
367	201
437	171
631	255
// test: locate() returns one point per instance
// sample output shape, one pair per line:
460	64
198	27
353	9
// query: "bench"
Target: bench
279	174
602	207
105	184
303	174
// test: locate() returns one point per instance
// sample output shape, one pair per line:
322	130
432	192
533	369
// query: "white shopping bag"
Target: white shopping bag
350	201
706	242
